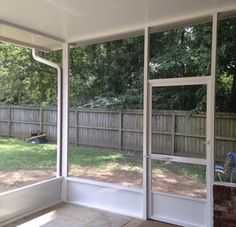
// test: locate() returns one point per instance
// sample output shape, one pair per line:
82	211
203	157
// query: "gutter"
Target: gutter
59	106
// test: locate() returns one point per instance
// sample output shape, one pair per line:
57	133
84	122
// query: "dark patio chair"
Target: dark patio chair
229	166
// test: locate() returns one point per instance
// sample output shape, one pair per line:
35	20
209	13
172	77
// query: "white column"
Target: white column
211	123
145	124
65	92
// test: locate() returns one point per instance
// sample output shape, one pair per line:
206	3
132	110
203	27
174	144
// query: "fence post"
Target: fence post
76	127
120	129
41	119
173	135
9	122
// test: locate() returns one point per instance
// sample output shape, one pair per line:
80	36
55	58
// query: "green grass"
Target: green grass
103	158
16	154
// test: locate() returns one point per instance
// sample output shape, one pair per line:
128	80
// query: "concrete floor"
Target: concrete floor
64	215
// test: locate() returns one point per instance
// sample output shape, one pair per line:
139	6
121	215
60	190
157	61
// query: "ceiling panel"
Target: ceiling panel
73	20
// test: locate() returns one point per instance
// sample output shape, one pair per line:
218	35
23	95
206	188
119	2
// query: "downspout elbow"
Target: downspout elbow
45	61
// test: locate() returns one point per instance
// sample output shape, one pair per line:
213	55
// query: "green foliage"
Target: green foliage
226	86
110	75
181	52
107	75
23	80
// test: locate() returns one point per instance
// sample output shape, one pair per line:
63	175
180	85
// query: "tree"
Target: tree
181	52
110	75
23	80
227	64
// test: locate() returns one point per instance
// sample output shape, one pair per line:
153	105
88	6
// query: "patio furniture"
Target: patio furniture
229	166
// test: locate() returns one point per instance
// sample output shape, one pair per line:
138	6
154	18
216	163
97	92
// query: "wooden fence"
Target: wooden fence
173	132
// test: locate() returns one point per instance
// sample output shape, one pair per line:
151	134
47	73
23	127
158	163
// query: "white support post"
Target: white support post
145	124
65	107
211	123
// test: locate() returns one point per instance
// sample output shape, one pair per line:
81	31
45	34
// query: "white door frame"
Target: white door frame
204	80
210	117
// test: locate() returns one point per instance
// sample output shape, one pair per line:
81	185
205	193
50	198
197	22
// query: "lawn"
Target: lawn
27	163
22	163
104	159
16	154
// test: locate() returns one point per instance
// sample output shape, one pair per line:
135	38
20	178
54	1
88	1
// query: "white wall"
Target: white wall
20	202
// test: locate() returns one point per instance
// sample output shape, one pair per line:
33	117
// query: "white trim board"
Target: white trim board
24	201
183	211
126	202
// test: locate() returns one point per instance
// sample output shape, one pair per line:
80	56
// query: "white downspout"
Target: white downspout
59	104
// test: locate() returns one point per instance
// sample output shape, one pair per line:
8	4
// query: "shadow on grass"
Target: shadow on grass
190	171
99	158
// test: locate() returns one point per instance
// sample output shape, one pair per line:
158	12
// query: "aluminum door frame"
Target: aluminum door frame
185	81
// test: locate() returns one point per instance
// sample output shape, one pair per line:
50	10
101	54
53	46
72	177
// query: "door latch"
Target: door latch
207	142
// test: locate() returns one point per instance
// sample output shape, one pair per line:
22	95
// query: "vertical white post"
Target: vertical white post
145	124
211	123
65	92
59	121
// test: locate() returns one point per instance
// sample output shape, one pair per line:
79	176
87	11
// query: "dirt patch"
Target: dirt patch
10	180
178	185
122	175
162	182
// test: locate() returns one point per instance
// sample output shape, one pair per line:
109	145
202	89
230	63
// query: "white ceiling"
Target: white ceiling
76	20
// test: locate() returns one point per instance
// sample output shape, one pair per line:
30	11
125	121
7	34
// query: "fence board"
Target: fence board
173	132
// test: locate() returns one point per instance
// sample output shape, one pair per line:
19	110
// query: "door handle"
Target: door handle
207	142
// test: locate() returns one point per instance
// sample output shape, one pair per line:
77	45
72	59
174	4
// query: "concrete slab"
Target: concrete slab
73	216
149	223
68	215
